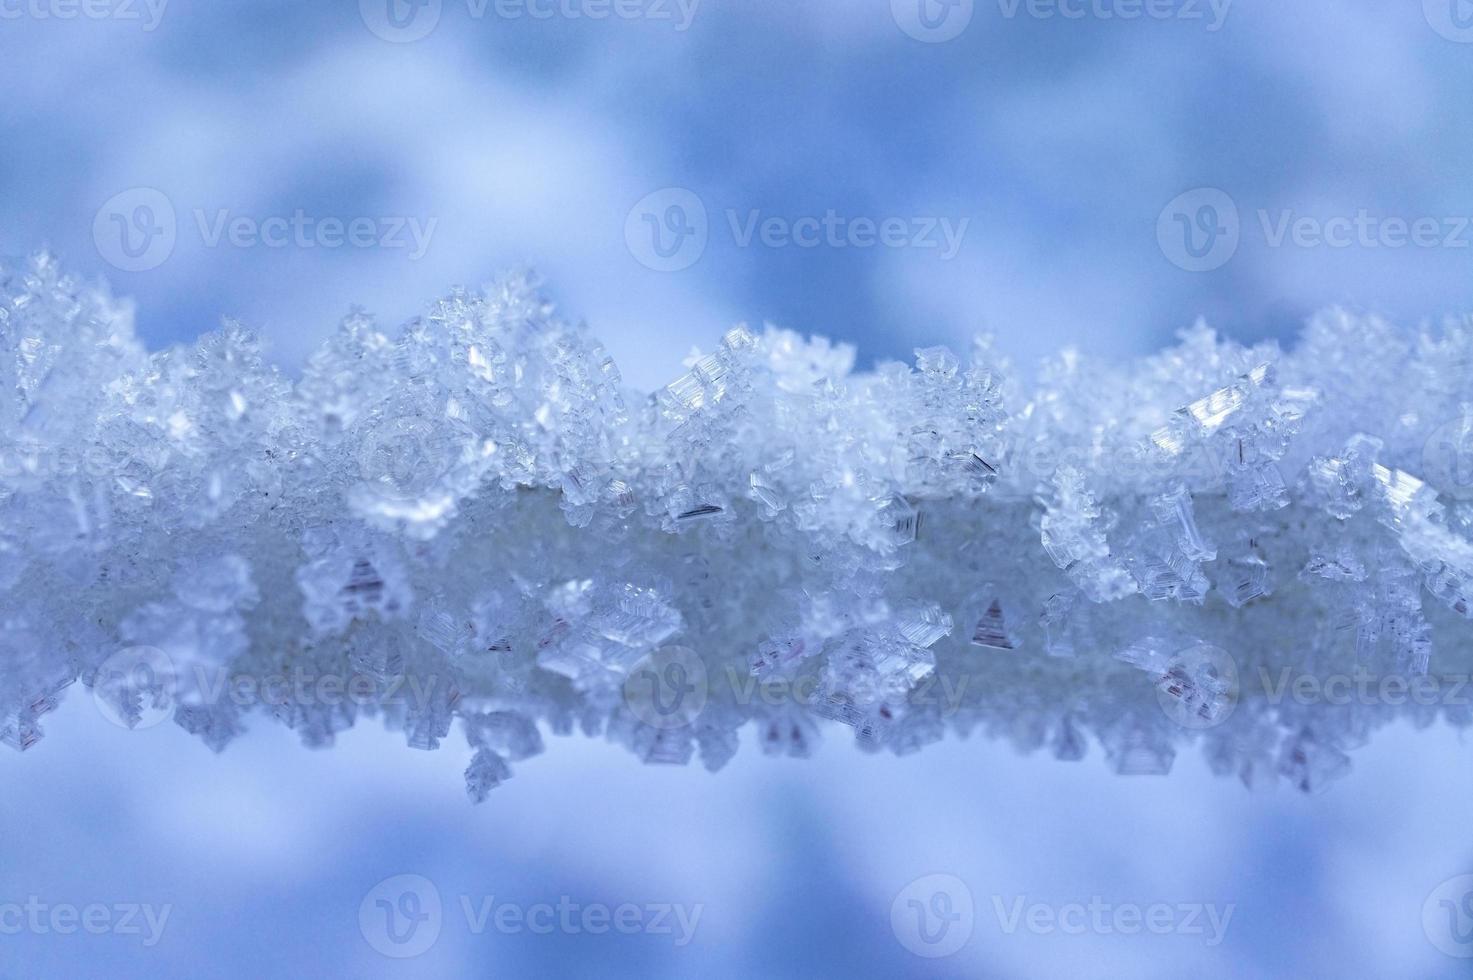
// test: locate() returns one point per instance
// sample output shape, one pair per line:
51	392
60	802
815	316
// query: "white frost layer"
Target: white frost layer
476	519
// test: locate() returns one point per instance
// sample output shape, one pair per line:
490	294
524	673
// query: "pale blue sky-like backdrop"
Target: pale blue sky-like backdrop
519	139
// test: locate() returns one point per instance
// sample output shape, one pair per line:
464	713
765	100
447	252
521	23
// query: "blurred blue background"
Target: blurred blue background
529	140
1064	144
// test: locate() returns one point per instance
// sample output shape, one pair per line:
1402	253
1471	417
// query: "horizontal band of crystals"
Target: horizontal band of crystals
1264	551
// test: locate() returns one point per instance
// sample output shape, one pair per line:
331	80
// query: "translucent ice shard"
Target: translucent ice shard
350	578
993	628
486	772
1074	531
1309	764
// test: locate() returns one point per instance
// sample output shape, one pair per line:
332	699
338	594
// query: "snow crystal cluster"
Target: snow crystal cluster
476	520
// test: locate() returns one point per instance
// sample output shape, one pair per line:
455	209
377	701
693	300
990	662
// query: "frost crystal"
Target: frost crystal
475	520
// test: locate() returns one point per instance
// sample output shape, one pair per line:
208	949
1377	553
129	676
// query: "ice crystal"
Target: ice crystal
473	521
